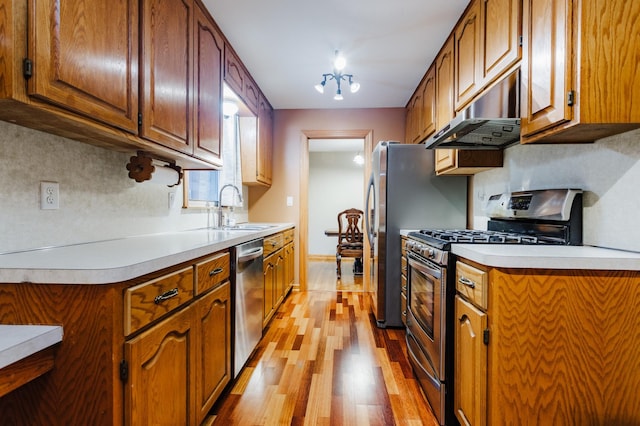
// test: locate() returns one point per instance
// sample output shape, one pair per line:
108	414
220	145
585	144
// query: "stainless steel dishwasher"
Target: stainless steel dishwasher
249	295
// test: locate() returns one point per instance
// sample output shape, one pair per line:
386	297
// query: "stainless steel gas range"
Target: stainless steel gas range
526	217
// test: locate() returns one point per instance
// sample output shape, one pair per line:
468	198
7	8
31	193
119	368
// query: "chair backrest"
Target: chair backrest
349	230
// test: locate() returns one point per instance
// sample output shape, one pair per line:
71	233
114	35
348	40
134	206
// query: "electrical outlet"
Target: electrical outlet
49	195
171	199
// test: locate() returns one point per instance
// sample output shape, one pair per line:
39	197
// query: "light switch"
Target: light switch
289	201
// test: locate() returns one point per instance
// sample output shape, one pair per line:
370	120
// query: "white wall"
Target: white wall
97	198
336	183
607	170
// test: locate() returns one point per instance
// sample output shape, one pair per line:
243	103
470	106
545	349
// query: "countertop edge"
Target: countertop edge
127	272
21	341
549	257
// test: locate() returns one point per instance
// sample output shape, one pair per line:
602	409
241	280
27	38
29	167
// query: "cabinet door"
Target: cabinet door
234	74
470	387
416	116
85	56
289	266
269	272
265	142
214	347
427	113
445	158
166	71
468	78
501	30
161	370
209	48
546	64
280	286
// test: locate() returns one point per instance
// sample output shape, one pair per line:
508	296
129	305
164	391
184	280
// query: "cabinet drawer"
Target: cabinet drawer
403	266
472	284
213	271
149	301
288	236
273	243
403	286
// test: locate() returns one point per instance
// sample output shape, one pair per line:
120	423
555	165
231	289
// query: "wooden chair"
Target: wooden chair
350	239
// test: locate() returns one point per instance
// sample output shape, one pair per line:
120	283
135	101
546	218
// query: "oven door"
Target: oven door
425	319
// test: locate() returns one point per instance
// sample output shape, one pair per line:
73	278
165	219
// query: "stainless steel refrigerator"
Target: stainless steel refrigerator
405	193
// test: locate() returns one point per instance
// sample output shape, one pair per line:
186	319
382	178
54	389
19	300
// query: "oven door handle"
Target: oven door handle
424	266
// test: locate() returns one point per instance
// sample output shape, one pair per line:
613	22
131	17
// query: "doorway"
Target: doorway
366	136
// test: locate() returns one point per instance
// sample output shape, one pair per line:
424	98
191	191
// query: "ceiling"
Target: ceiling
288	44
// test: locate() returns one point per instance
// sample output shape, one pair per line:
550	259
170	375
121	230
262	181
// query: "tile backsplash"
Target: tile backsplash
97	199
608	171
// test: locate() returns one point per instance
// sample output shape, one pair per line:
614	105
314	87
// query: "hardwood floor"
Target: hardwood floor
322	276
322	361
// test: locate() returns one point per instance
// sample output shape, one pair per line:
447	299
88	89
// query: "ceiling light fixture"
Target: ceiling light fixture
338	65
358	159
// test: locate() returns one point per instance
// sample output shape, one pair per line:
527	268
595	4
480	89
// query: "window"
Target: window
200	187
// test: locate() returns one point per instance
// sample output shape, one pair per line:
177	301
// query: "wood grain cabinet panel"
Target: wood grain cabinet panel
580	70
551	347
162	370
487	42
213	361
208	65
166	73
421	109
470	387
85	58
501	31
468	51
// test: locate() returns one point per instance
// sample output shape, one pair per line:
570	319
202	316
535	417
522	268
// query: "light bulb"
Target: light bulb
358	159
229	108
354	87
338	96
340	62
319	87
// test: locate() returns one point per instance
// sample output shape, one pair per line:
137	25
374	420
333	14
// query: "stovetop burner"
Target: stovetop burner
525	217
442	238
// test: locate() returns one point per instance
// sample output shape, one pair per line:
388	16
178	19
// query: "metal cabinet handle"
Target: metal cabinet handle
215	271
404	288
466	281
166	296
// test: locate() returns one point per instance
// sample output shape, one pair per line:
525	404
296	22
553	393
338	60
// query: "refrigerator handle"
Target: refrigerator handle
367	216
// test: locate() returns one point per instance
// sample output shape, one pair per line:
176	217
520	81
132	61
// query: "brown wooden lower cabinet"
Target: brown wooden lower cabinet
124	358
278	270
551	347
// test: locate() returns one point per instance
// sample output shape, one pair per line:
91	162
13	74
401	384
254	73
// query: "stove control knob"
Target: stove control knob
430	253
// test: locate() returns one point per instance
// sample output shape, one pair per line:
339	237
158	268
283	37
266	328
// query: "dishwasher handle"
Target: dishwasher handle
250	255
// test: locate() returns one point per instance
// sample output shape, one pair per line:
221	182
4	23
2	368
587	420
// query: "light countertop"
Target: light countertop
548	257
117	260
20	341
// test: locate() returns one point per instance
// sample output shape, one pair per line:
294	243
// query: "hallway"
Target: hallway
322	361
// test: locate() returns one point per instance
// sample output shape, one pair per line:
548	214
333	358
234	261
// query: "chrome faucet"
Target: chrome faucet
221	221
232	186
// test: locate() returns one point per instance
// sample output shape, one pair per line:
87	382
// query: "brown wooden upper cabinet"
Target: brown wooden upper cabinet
209	56
167	66
487	44
421	110
95	75
93	69
181	78
580	75
238	79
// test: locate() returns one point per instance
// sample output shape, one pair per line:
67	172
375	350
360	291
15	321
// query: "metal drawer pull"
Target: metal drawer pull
404	288
466	281
166	296
215	271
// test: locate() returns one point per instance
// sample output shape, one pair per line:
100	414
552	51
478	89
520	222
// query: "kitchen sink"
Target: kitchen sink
247	227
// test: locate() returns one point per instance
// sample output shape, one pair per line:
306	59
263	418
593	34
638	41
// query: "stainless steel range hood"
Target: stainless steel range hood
490	122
